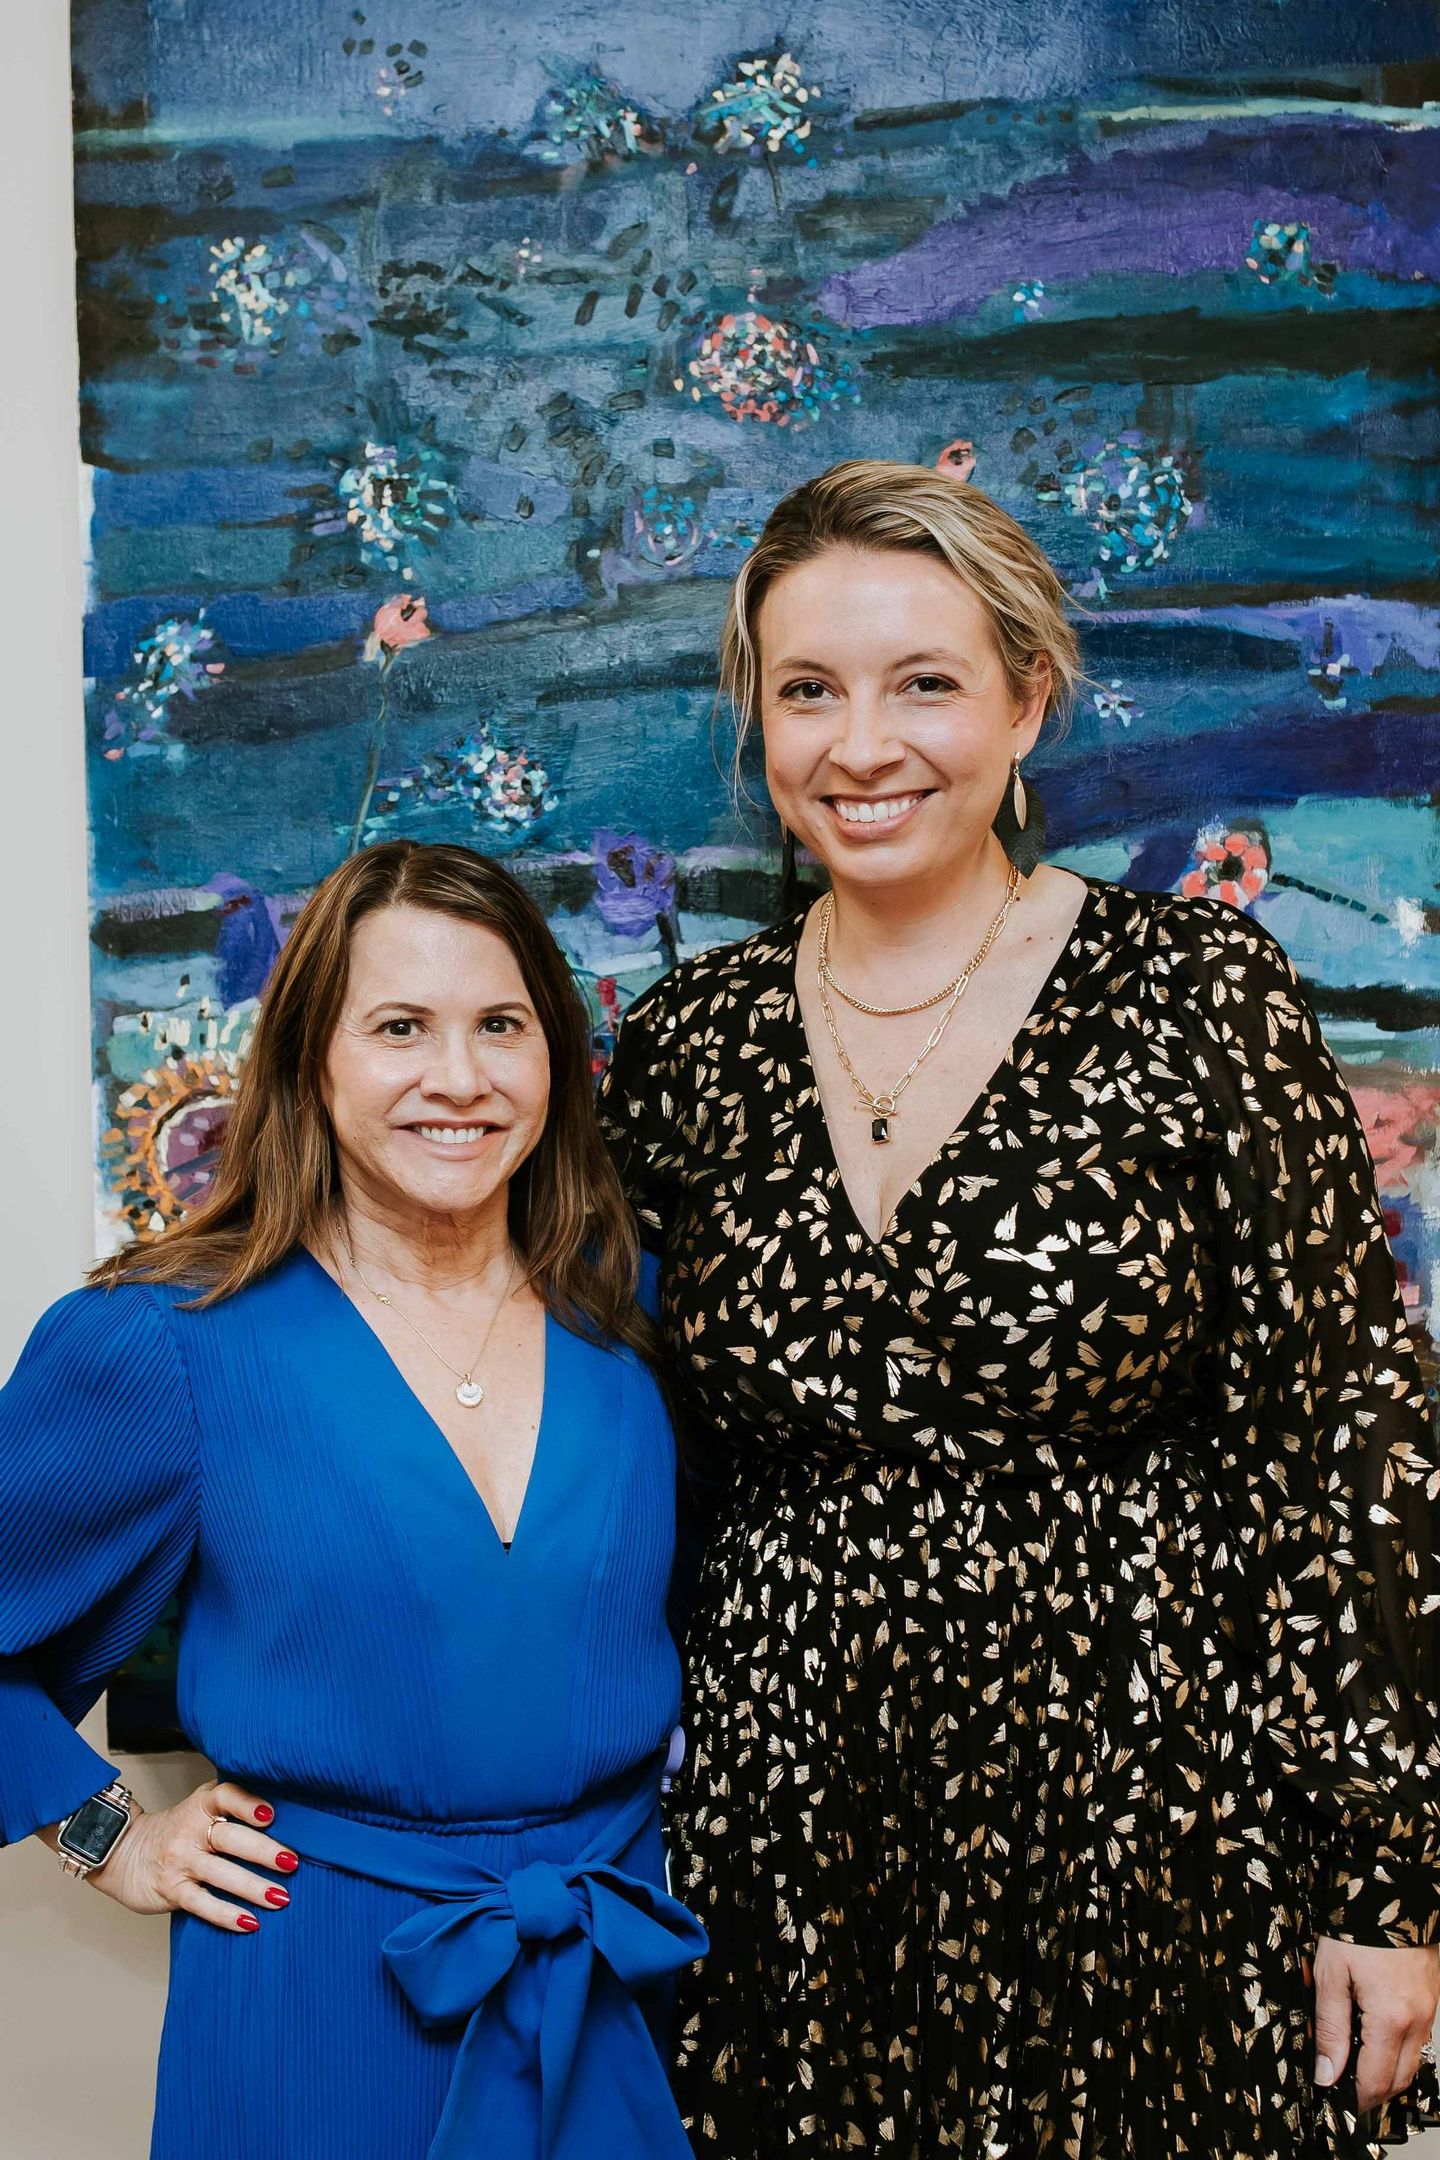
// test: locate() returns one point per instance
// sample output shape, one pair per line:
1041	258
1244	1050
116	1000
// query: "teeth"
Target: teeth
881	812
451	1135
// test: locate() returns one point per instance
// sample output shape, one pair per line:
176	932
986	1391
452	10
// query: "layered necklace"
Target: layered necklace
470	1392
884	1106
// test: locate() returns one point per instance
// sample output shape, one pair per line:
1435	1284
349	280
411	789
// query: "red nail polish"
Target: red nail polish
264	1812
287	1862
247	1923
277	1896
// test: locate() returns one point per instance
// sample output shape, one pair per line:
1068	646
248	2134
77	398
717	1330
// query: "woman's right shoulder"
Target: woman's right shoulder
99	1322
102	1362
720	978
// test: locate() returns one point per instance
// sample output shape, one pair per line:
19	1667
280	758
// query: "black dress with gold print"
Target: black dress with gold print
1063	1658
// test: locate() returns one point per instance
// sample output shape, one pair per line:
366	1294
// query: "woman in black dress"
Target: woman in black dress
1063	1774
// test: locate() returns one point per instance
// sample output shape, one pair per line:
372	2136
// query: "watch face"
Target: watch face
93	1830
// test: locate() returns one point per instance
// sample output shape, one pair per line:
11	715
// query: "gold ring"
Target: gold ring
210	1833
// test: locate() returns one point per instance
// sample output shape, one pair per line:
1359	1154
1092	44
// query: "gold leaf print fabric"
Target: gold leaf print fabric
1063	1656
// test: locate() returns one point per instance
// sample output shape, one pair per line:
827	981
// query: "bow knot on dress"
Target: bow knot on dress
547	1968
543	1903
450	1958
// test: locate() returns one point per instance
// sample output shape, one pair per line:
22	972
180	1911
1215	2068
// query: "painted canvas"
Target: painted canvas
440	363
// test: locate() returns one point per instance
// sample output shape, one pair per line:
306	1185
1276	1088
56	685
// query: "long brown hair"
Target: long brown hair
278	1182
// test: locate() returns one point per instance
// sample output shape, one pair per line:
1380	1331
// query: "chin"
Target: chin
882	865
442	1191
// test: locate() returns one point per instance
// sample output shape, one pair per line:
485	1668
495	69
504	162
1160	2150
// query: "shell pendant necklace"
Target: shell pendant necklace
882	1107
470	1392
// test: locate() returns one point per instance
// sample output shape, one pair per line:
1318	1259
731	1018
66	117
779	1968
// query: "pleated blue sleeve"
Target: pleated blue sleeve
98	1510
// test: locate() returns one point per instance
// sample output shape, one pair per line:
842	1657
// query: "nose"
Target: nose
456	1069
866	744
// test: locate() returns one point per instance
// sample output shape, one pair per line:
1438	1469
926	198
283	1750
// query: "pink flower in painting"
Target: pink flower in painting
399	622
1232	866
1402	1125
957	459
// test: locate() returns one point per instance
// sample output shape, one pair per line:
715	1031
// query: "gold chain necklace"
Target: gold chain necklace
470	1392
876	1012
884	1106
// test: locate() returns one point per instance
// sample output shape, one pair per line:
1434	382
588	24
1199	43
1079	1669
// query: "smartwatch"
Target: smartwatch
87	1838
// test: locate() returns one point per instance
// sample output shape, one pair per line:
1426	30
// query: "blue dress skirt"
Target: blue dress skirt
462	1743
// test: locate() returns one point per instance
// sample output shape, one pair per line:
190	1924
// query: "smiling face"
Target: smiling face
889	726
437	1078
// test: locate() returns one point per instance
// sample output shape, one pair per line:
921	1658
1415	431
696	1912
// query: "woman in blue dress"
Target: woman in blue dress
380	1414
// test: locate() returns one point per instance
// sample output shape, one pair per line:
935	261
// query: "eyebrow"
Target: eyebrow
402	1009
950	659
792	665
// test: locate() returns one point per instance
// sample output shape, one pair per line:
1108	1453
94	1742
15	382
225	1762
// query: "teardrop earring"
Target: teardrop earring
1018	795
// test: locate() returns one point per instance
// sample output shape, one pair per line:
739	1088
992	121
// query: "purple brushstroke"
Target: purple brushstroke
1370	631
1161	785
634	883
250	938
1370	196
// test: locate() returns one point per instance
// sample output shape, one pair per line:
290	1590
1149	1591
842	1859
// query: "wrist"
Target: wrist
87	1838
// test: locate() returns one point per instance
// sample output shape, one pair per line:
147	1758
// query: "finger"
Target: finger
1332	2021
202	1904
238	1843
235	1800
1407	2062
238	1882
1375	2065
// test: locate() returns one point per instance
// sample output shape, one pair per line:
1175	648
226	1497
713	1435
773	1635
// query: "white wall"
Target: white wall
81	1983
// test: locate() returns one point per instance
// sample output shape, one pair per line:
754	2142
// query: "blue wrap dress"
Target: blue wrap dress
462	1743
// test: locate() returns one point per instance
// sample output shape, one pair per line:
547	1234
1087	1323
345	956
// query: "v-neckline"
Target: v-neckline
398	1379
992	1089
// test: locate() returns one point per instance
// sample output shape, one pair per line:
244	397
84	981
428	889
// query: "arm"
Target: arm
97	1522
98	1508
640	1112
1329	1475
638	1117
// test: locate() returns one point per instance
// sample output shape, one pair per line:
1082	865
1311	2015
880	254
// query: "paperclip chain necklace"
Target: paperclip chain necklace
884	1106
470	1392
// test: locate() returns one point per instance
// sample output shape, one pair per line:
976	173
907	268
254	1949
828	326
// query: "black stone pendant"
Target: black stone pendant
880	1130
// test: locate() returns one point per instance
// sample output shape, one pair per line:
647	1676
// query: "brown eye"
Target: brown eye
931	685
804	692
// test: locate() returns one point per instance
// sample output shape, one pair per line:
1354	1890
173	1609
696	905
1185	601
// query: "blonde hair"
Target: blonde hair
880	506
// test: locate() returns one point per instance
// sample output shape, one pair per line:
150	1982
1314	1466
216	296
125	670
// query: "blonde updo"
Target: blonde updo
877	505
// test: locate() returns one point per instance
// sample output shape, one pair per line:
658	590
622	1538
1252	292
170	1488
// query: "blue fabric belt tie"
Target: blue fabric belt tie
542	1968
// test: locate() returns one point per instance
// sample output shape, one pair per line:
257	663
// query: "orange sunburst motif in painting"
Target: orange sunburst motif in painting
162	1152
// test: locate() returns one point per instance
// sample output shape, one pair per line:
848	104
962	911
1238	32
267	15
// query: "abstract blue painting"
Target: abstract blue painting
440	364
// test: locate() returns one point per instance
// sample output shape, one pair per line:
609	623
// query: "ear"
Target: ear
1029	713
321	1091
